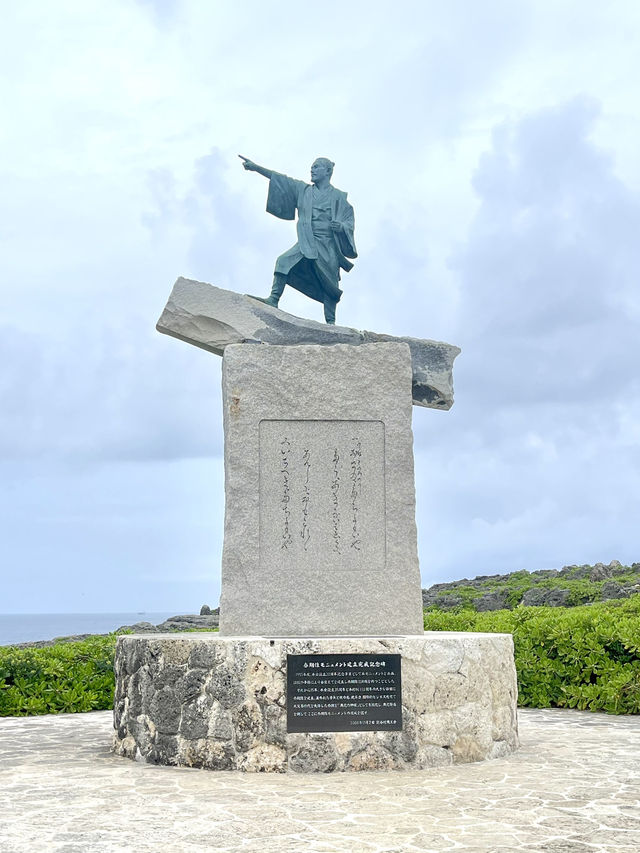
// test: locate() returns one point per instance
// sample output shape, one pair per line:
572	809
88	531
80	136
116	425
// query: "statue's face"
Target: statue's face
319	170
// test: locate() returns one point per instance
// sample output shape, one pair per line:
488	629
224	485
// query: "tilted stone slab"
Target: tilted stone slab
212	318
202	700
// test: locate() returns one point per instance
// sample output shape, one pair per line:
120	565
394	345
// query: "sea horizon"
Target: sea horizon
33	627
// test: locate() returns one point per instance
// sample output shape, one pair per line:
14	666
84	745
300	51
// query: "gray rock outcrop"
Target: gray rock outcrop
212	318
41	644
597	572
600	572
139	628
544	587
546	597
612	590
184	623
492	601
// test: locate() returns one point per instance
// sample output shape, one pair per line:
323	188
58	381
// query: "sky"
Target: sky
490	151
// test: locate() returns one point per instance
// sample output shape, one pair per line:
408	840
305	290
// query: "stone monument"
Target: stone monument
321	662
320	535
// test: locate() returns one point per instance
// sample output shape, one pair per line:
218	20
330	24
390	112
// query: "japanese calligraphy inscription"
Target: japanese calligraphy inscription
344	693
322	493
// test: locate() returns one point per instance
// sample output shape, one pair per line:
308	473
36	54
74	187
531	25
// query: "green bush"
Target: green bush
578	657
64	678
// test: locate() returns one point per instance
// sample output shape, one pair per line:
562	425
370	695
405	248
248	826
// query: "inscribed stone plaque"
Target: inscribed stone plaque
322	495
344	693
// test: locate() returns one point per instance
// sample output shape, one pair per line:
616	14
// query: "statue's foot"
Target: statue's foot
268	301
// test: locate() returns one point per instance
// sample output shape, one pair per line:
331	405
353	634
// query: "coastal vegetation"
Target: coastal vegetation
64	678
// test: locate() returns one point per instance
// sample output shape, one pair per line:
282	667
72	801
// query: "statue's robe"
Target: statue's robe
313	265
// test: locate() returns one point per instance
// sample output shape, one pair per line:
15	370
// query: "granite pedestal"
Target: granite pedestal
201	700
320	532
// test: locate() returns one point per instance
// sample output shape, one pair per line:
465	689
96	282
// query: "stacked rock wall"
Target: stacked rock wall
203	700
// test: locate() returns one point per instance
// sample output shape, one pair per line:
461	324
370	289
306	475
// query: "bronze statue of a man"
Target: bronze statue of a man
325	234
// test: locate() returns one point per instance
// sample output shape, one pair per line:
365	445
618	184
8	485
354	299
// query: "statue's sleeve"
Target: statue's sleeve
282	199
346	238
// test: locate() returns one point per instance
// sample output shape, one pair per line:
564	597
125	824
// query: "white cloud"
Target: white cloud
539	454
110	392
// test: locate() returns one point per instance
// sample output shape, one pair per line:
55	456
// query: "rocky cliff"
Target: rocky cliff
565	587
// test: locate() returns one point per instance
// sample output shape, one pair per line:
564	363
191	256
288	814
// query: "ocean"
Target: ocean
26	627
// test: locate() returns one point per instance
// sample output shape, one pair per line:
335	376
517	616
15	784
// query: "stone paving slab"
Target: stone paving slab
573	787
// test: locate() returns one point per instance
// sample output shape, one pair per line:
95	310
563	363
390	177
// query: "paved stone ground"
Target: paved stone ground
573	787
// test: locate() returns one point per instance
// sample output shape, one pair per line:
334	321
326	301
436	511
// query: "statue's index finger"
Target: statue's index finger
242	157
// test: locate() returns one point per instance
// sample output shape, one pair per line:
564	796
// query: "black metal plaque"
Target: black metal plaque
343	693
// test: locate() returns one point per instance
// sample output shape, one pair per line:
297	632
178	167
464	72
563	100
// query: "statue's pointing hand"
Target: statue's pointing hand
249	165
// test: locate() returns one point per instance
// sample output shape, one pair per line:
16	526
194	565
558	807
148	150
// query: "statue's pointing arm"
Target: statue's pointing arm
250	166
282	199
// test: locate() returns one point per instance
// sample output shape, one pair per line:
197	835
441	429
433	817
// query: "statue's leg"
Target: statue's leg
279	282
330	312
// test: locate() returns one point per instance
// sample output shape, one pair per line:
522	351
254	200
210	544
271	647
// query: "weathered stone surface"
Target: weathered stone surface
597	572
600	572
140	628
212	318
181	623
492	601
546	597
573	787
612	589
459	695
327	547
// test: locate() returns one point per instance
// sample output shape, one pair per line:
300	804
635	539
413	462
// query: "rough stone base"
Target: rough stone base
202	700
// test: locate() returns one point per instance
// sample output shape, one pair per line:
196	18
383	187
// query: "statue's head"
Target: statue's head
320	168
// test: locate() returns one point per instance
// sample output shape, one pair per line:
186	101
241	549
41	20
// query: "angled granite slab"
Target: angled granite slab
212	318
